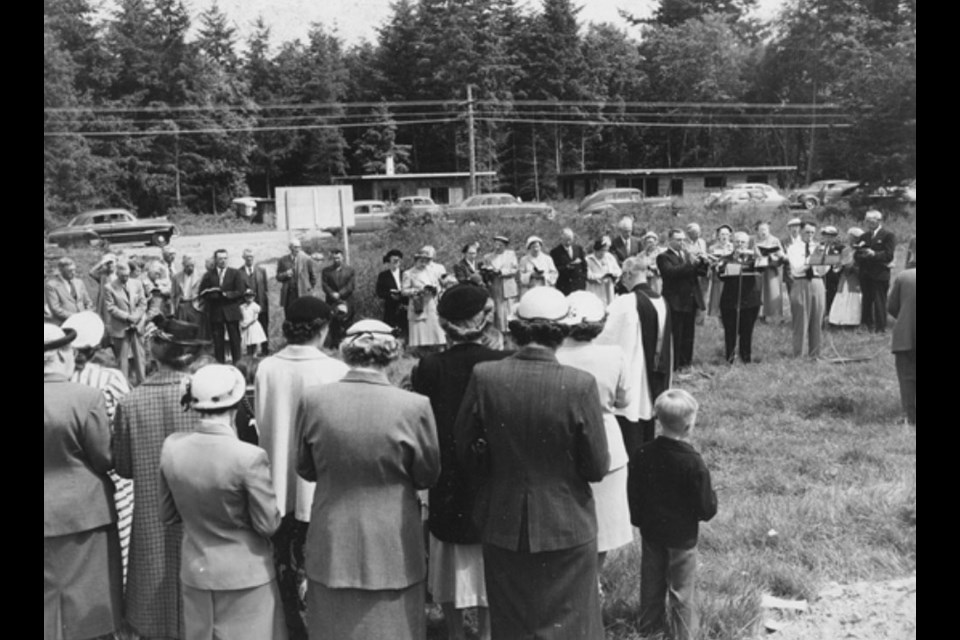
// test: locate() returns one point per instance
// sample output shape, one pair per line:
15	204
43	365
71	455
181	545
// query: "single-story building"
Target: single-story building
443	188
688	181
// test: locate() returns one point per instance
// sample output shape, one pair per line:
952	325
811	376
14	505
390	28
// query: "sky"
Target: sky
357	20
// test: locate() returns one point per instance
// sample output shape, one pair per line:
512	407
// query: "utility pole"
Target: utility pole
473	141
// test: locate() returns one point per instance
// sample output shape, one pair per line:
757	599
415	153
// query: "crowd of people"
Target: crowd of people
290	495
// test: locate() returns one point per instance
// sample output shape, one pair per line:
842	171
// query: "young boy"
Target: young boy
670	493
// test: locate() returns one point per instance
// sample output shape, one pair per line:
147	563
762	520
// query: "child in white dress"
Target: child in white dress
251	331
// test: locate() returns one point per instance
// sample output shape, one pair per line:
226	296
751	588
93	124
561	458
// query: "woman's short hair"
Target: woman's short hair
586	331
176	356
548	333
676	410
370	350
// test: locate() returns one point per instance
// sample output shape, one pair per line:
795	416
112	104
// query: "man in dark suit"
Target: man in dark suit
571	263
625	245
256	277
902	305
873	255
222	290
338	281
681	289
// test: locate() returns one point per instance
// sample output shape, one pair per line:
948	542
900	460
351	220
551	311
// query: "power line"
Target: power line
222	130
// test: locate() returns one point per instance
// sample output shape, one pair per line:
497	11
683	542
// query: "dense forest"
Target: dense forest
147	110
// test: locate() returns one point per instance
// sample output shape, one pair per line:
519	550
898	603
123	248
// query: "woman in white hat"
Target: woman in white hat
369	446
421	286
219	488
114	385
602	271
501	267
586	320
530	431
536	267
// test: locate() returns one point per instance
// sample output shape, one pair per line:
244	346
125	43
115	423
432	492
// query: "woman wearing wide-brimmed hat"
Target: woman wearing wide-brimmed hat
500	268
369	446
421	286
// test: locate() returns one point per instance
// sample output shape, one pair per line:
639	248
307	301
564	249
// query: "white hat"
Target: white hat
89	328
584	307
54	337
533	239
542	303
216	386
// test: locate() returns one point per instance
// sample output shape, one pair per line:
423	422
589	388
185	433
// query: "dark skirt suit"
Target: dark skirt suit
531	431
740	304
369	447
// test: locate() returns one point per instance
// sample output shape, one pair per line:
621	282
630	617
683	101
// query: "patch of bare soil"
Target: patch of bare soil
885	610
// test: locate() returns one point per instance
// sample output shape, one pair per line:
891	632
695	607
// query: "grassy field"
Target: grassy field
814	468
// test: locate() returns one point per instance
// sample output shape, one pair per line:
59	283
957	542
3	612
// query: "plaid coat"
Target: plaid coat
144	419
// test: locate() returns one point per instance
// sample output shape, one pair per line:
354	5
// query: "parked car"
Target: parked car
498	205
370	215
749	196
420	204
821	192
623	200
114	226
894	198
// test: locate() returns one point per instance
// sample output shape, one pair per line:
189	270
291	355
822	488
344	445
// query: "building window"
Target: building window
676	186
389	194
758	177
440	195
715	182
651	187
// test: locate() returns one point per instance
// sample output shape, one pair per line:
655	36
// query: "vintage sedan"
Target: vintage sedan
624	200
821	192
113	226
748	197
486	206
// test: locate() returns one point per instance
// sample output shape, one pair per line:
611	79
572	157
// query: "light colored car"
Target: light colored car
753	196
113	225
370	215
821	192
625	200
498	205
420	204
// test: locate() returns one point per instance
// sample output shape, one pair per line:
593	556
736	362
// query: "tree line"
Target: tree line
143	110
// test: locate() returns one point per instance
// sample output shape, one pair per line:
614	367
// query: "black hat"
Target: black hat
391	253
462	301
307	309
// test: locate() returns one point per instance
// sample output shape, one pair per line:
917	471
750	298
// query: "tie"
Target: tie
806	253
73	290
221	277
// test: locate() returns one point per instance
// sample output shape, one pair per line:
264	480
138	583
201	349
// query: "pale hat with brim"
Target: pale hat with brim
216	386
543	303
89	327
794	222
105	259
584	306
533	240
502	238
829	231
55	337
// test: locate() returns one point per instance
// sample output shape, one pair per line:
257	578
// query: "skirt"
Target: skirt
82	592
552	595
456	574
362	614
613	511
238	614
